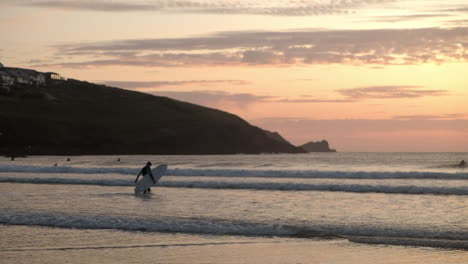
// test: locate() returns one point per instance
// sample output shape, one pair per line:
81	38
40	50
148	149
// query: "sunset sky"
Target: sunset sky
367	75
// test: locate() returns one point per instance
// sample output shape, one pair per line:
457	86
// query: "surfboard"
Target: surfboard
147	182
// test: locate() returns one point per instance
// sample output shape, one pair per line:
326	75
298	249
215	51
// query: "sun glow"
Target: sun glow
307	60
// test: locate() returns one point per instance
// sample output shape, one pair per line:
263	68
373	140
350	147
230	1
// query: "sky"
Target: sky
366	75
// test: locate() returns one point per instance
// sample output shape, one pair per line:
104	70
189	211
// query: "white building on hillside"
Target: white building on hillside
18	76
53	76
6	81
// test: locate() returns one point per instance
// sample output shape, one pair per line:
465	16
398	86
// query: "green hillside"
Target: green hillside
74	118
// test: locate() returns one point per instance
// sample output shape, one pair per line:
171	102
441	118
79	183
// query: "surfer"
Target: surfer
462	164
144	171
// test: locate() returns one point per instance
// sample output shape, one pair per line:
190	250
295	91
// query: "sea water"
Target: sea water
276	208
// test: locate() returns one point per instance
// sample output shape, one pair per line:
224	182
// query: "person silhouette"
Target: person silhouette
146	170
462	164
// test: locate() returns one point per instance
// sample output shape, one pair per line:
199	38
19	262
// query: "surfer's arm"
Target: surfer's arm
138	176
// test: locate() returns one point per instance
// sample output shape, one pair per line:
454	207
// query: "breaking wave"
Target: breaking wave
279	186
306	174
360	234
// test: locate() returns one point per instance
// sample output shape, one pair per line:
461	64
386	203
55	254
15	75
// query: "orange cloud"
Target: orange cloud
385	92
278	48
273	8
155	84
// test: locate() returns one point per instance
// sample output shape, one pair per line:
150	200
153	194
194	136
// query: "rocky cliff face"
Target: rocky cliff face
276	136
319	146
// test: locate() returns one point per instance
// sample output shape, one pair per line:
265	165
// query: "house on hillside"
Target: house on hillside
26	76
17	76
6	81
53	77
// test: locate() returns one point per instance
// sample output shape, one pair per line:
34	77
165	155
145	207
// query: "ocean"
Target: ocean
272	208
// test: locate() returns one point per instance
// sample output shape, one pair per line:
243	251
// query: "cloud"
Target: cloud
430	117
108	6
386	92
393	19
294	101
228	100
457	23
272	8
215	98
375	47
461	9
156	60
156	84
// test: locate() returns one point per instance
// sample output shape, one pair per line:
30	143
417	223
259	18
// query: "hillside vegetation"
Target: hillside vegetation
75	117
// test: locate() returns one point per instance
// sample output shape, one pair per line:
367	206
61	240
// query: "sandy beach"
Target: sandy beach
21	244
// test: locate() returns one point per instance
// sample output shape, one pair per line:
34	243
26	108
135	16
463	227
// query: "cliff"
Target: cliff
276	136
319	146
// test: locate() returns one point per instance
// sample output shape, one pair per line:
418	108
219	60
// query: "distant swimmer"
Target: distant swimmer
68	159
462	164
146	170
55	164
118	160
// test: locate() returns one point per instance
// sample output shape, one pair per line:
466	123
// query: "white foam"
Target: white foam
363	234
356	188
198	226
67	169
243	173
282	186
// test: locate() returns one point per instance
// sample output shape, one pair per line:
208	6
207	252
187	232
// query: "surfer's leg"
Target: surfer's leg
149	190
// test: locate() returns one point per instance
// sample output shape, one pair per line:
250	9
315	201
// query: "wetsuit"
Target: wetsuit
146	170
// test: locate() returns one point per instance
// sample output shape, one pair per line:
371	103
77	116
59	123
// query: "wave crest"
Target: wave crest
333	187
306	174
359	234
